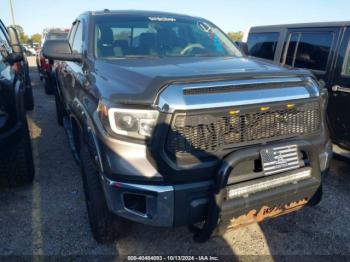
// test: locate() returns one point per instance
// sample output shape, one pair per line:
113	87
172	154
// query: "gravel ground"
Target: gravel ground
50	216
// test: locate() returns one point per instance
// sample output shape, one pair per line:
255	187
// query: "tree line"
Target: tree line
25	39
236	36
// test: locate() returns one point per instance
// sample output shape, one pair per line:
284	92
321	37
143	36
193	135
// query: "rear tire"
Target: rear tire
105	226
17	167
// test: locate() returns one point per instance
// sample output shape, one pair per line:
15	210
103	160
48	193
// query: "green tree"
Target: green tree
236	36
36	38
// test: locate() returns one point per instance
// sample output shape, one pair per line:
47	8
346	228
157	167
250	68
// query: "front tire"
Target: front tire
105	226
17	167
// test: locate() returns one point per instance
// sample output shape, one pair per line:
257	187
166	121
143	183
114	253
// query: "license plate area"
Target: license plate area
275	160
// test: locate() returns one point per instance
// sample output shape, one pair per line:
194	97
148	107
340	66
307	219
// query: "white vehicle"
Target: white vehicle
30	51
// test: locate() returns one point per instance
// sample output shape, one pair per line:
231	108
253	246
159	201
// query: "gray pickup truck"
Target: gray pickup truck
173	126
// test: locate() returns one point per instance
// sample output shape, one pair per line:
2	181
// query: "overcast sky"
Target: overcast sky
230	15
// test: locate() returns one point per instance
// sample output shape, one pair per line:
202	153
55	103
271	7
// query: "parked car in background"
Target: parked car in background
45	65
30	51
323	48
16	159
172	125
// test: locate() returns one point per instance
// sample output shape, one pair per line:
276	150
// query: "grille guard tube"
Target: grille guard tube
228	164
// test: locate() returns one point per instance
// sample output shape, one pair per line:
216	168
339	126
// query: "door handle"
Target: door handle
337	88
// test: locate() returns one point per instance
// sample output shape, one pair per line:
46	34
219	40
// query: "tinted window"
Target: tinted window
312	50
118	36
78	40
262	45
346	66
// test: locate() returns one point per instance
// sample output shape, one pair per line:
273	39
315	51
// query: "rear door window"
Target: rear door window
263	45
309	50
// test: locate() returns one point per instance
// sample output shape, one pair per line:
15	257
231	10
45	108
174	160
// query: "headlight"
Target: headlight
136	123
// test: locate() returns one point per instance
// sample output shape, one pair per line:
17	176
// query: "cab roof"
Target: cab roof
137	12
304	25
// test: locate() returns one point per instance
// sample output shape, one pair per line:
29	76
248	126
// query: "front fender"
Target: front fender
87	131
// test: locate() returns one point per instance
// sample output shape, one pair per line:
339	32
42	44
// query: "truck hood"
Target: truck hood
138	81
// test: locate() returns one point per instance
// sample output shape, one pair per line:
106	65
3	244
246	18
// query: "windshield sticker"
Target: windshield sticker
204	26
162	19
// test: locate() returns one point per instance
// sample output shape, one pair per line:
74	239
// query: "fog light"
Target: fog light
135	203
268	184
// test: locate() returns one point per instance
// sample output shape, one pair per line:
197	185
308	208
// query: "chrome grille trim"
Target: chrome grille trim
173	97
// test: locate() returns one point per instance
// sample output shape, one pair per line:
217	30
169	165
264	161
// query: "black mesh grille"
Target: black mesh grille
214	131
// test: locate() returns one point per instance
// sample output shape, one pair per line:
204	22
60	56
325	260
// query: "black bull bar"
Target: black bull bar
293	195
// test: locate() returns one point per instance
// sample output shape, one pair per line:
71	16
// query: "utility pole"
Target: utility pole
12	15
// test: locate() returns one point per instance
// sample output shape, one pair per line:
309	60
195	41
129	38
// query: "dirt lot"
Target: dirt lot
50	216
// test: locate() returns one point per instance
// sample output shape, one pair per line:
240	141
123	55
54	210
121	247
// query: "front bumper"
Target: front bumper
184	204
166	206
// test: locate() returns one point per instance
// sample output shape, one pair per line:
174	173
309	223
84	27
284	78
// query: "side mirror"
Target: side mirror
60	50
14	40
242	46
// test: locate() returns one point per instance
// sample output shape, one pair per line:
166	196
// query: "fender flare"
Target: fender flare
87	131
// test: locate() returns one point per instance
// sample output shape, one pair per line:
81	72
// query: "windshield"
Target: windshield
139	36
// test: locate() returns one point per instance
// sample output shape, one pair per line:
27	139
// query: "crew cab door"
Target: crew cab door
339	98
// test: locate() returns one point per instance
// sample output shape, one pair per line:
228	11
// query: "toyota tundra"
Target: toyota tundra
172	125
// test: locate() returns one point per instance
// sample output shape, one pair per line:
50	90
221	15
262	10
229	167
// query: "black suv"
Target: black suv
16	160
172	125
322	48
